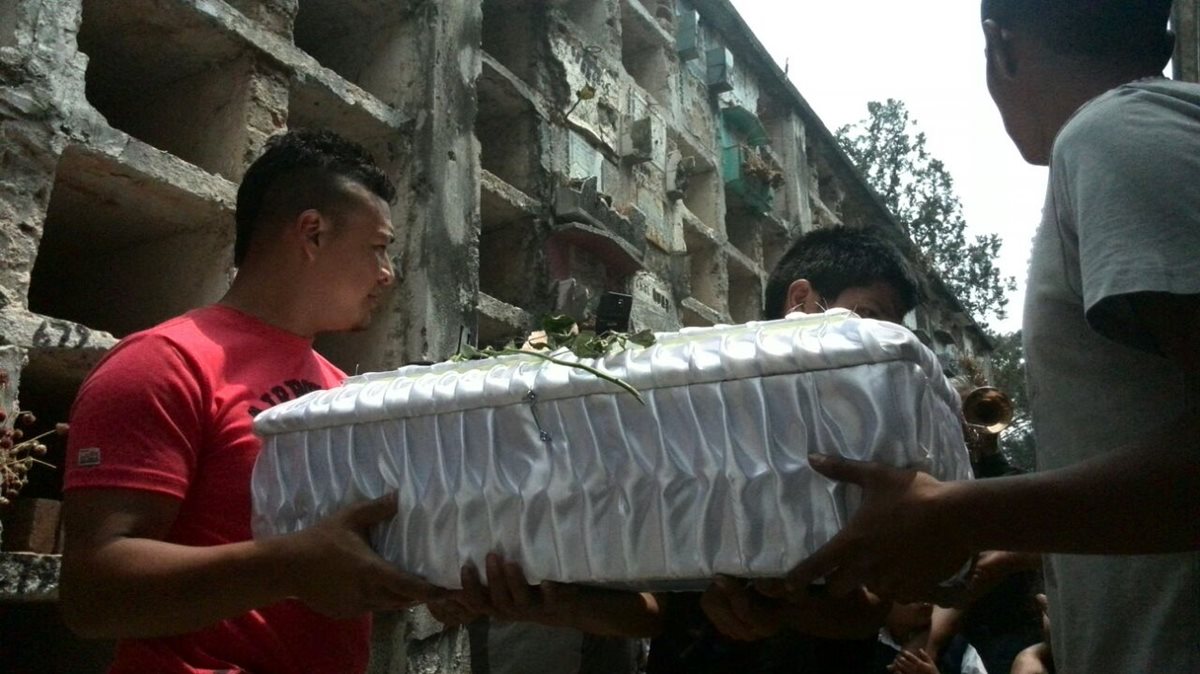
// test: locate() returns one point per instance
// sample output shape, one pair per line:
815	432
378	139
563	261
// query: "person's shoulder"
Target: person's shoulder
1136	113
151	349
182	324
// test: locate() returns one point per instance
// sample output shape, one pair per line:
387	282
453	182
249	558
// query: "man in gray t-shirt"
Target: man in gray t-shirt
1112	343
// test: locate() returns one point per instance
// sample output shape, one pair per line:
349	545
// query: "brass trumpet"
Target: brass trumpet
988	408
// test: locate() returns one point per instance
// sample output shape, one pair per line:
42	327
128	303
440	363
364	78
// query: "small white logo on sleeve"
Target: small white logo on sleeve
88	457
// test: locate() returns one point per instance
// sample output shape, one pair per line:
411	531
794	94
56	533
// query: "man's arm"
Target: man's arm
944	624
749	613
121	580
912	531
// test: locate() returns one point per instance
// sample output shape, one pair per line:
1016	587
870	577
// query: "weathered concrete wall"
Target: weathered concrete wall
124	128
679	175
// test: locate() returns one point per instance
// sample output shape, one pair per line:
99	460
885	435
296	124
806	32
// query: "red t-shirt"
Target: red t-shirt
170	410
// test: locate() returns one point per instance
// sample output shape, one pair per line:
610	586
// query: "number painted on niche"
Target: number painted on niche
61	334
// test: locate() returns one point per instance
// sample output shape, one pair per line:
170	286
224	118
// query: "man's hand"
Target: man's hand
910	662
901	543
739	612
509	596
451	612
994	566
761	610
338	574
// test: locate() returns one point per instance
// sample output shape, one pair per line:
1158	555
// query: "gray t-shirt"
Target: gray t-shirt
499	647
1122	216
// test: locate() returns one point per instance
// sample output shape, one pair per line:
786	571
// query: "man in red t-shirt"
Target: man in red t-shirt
157	492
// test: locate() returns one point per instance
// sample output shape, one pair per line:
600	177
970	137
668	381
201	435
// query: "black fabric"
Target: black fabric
994	465
690	644
1006	620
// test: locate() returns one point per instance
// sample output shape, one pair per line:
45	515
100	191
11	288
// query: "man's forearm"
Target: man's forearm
1141	499
136	587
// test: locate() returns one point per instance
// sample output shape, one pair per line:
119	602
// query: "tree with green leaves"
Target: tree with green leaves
1008	375
891	154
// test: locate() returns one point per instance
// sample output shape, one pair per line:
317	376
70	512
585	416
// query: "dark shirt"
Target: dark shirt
1007	619
690	644
994	465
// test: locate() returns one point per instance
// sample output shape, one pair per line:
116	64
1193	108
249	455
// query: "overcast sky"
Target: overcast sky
929	54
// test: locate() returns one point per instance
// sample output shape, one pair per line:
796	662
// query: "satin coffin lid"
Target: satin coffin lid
573	478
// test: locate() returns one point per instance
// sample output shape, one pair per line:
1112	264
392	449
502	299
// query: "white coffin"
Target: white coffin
581	483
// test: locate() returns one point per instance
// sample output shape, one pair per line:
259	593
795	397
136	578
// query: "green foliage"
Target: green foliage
1008	375
919	191
560	332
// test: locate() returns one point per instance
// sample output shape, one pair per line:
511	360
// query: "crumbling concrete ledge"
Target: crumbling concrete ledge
28	577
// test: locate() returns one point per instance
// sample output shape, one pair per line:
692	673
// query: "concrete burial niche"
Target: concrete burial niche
645	49
508	128
707	280
693	179
162	75
372	43
121	251
511	35
512	265
745	288
595	18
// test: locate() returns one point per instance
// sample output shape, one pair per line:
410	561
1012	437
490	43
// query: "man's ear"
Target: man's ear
999	49
312	229
802	297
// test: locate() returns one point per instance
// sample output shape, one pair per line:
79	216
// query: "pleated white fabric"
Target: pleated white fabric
577	481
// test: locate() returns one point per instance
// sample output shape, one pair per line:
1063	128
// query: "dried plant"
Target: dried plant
18	454
561	332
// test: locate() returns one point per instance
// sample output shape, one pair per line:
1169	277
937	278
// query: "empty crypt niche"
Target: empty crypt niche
693	181
512	265
120	252
775	243
744	230
594	19
706	273
745	293
512	36
507	127
160	73
644	49
376	44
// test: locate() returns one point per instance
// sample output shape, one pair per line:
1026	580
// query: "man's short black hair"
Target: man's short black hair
834	259
1118	31
298	170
